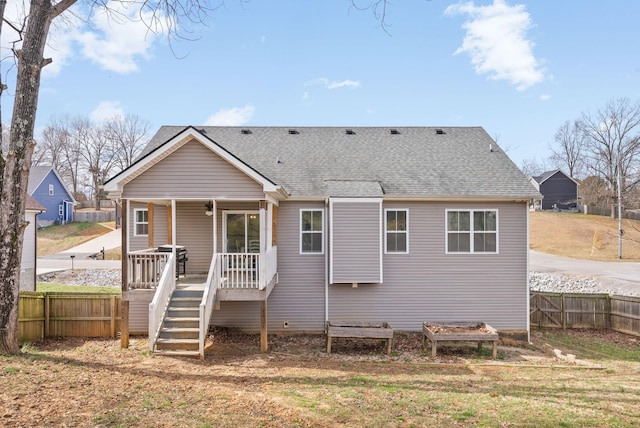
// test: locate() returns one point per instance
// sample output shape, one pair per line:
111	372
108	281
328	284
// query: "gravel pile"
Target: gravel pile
554	283
97	277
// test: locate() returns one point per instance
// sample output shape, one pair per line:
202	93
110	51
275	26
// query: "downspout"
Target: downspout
326	262
528	278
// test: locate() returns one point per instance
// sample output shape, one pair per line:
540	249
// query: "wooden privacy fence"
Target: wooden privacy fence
67	315
559	310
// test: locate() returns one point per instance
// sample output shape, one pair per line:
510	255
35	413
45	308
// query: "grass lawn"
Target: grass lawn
54	239
77	382
51	287
583	236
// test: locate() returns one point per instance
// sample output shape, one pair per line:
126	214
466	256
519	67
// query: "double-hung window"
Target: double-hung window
396	231
50	189
141	222
311	232
472	231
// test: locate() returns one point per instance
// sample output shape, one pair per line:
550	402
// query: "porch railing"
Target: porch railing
208	297
145	268
158	306
247	270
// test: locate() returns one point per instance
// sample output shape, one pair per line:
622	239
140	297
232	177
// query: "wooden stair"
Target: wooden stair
180	330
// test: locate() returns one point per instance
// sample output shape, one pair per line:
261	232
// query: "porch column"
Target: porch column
173	227
264	344
263	227
215	225
124	309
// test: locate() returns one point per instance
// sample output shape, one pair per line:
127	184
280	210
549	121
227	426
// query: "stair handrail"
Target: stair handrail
159	304
206	305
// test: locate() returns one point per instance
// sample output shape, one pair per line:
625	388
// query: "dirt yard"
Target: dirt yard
75	382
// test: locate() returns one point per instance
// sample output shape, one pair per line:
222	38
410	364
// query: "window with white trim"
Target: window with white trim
140	222
396	231
472	231
311	231
61	210
50	189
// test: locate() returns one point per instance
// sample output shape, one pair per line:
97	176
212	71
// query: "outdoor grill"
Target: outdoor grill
181	257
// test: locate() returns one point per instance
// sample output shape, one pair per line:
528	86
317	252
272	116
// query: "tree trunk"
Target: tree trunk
16	169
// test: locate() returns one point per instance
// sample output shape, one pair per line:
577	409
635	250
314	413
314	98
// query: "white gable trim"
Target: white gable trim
116	184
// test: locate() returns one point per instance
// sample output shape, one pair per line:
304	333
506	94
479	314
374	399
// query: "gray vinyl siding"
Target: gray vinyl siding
139	312
195	231
299	296
160	225
193	171
136	243
356	245
428	284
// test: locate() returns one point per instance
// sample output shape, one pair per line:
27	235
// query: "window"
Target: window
61	210
311	232
396	231
50	189
140	222
472	231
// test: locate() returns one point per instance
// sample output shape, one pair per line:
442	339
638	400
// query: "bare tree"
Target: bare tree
127	136
33	29
96	153
531	167
570	141
612	142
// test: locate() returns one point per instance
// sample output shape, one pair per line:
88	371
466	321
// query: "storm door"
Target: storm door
242	232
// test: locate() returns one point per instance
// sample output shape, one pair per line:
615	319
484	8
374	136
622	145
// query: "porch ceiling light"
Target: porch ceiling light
209	207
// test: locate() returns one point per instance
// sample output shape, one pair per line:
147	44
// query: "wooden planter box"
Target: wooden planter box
462	331
359	330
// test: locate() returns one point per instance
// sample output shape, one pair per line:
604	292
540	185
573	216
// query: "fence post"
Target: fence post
563	314
46	314
113	317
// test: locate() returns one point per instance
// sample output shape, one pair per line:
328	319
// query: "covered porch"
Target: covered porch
226	248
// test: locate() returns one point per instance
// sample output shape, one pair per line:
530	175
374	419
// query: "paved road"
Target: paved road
81	253
619	274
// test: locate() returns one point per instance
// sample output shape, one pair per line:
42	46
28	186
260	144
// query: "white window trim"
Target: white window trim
51	190
471	231
136	222
406	231
61	210
301	232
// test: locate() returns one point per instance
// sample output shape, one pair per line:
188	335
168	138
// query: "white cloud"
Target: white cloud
545	97
497	44
117	40
234	116
323	81
106	110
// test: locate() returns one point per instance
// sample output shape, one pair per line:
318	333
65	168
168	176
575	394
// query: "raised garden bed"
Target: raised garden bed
359	330
460	331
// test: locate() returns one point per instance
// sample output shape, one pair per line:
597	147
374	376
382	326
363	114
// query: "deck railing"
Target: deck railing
208	297
145	268
247	270
158	306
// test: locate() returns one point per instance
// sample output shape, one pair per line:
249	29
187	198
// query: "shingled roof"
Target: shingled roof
421	162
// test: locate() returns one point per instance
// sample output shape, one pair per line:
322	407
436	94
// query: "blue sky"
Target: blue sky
518	69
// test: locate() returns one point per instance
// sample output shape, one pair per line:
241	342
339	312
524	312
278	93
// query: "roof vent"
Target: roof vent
349	132
245	131
394	131
439	131
293	132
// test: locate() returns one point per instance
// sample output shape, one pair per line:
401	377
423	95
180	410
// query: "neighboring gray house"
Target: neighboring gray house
322	223
29	256
559	191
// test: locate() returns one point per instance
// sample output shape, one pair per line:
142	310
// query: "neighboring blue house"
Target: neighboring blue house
46	187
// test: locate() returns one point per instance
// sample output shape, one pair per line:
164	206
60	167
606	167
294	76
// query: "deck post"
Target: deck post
124	324
263	326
